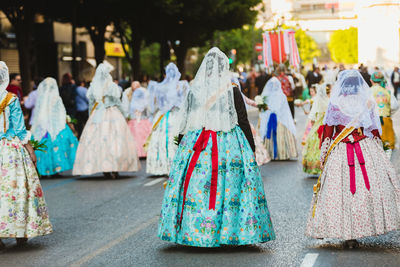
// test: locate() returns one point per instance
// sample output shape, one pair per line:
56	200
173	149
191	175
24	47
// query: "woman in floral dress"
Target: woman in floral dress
23	210
165	101
49	126
215	193
277	124
311	150
358	194
107	145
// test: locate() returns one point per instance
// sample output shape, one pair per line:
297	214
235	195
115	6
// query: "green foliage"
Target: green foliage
343	46
242	39
150	59
38	146
308	48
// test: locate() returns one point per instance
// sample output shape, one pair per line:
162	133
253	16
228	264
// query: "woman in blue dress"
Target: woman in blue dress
215	193
50	126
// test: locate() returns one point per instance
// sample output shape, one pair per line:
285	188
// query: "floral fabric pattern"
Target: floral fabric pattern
262	156
339	213
107	146
311	150
23	210
241	214
59	155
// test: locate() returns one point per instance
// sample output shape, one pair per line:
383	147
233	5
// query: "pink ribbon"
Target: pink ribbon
351	148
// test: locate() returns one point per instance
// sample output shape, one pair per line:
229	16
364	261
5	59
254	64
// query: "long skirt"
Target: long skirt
388	135
106	146
286	144
162	147
241	214
311	150
59	155
306	132
141	129
262	156
339	213
23	209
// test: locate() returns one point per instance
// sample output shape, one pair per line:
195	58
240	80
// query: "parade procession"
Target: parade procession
199	133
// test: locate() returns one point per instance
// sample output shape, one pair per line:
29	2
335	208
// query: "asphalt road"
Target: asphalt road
99	222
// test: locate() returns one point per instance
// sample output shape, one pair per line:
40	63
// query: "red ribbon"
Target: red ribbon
198	147
351	148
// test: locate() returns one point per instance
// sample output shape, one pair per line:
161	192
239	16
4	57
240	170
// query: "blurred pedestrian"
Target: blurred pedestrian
165	101
299	83
364	73
68	94
357	194
49	126
261	80
82	107
395	79
15	86
106	144
276	124
313	76
287	85
138	111
23	212
387	104
214	180
30	102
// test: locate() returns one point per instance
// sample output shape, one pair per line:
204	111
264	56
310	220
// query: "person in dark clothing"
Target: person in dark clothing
261	80
395	79
364	73
15	85
313	77
68	94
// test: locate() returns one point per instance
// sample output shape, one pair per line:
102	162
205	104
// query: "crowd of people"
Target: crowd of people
199	135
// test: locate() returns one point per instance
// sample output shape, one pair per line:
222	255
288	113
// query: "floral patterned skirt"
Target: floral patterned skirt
241	214
339	213
140	129
162	148
286	142
59	155
23	210
306	132
107	146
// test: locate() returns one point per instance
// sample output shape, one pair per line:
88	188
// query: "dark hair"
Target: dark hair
66	79
13	76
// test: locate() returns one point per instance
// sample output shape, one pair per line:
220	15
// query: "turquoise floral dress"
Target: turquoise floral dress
59	154
241	214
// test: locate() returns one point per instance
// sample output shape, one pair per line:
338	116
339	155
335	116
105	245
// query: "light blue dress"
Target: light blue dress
241	214
59	156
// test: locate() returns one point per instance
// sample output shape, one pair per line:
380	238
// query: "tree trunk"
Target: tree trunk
75	69
98	40
181	52
22	20
136	46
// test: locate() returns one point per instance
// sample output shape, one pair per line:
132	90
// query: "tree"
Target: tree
308	48
343	46
21	14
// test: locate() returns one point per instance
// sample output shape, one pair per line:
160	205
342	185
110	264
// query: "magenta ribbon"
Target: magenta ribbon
351	148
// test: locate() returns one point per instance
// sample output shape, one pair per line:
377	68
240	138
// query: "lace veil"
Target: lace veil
50	115
209	103
352	104
320	104
277	103
140	100
4	79
102	84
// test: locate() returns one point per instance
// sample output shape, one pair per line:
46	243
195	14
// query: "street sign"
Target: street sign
258	47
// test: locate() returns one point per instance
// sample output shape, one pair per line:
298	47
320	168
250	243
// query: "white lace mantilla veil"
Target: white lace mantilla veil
277	103
320	104
50	115
102	84
209	103
352	104
4	79
140	100
164	95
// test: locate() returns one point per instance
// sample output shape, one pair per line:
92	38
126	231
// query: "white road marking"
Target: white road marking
155	181
113	243
309	260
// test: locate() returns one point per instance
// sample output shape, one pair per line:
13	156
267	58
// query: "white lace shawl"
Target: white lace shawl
320	104
209	103
50	115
